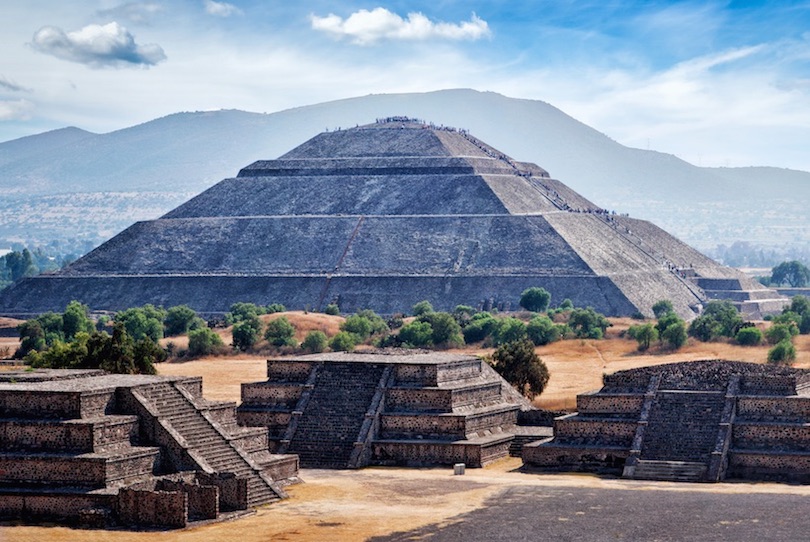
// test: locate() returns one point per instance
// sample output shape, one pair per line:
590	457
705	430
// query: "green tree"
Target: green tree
422	307
508	330
719	319
781	332
76	319
782	353
541	330
315	342
793	273
203	341
588	324
140	322
332	309
644	334
246	333
800	304
273	308
535	299
463	314
481	326
416	334
357	325
181	319
446	331
280	332
662	307
240	311
343	341
675	336
519	365
749	336
32	338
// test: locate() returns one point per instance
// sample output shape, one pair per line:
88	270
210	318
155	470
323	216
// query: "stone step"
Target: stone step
672	471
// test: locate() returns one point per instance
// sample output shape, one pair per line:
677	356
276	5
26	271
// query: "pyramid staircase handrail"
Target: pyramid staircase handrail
719	457
638	438
300	407
371	423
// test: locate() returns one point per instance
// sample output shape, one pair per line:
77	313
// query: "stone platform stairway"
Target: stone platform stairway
680	436
330	422
207	442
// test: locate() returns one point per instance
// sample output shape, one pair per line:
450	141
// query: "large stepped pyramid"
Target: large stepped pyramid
349	410
98	450
382	216
691	421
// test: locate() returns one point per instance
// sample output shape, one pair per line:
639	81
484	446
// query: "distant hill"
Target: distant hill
96	184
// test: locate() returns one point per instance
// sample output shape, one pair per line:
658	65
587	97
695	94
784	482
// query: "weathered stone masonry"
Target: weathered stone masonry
694	421
97	449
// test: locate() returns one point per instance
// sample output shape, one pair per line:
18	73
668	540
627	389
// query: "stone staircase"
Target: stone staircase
681	434
208	442
331	421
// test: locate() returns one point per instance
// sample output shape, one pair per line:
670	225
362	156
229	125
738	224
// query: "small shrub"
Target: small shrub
396	321
662	307
541	330
446	331
675	336
479	328
416	334
315	342
422	307
343	341
783	353
749	336
332	309
781	332
507	330
203	342
280	332
535	299
645	335
246	333
274	308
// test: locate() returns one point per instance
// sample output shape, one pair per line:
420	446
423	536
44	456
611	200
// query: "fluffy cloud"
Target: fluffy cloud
366	27
134	12
98	46
10	85
15	110
221	9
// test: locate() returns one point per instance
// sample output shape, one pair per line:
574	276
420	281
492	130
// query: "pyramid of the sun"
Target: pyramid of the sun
382	216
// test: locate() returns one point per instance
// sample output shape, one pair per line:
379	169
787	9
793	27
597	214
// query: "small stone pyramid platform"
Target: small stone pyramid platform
98	450
692	421
383	216
349	410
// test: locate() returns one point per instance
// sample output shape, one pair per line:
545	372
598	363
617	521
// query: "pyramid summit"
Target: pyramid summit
382	216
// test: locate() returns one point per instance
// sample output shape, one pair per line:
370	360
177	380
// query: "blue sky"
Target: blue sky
715	83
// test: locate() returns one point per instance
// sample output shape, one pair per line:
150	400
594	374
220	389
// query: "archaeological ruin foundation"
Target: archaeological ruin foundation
94	449
692	421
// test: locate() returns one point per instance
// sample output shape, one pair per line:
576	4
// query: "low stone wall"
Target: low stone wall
203	501
272	393
418	400
69	436
288	371
614	404
792	409
599	459
607	432
772	436
444	427
769	466
157	508
416	454
64	507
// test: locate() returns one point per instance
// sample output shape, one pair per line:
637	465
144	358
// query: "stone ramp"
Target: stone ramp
330	424
206	442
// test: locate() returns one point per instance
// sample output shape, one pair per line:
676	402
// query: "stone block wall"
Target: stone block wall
156	508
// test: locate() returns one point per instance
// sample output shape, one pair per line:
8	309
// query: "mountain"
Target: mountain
98	183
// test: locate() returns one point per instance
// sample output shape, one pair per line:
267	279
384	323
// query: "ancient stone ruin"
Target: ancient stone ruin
693	421
94	449
383	216
348	410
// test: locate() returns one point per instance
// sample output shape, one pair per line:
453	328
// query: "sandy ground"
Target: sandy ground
355	505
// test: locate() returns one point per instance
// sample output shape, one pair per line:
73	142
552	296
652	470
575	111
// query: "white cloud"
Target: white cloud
221	9
15	110
365	27
134	12
98	46
12	86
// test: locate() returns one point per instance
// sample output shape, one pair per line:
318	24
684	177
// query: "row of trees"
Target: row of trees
22	263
